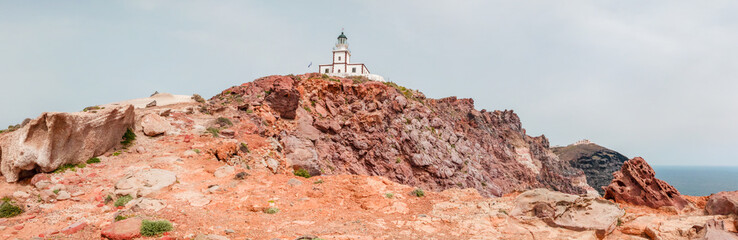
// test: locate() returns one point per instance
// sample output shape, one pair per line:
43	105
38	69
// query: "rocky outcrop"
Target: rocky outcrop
568	211
723	203
597	162
637	184
353	126
54	139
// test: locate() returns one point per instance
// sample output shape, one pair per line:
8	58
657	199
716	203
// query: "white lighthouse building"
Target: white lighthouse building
342	66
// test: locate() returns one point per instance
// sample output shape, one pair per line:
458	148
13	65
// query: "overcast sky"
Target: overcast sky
652	79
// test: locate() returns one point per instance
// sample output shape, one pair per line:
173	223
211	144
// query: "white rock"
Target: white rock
194	198
153	124
145	182
224	171
21	194
63	195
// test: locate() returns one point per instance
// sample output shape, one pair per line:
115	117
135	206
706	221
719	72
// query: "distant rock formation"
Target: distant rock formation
355	126
597	162
636	183
55	139
723	203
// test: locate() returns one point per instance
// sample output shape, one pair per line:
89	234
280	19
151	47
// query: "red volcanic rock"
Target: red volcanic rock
75	227
332	125
636	183
122	230
723	203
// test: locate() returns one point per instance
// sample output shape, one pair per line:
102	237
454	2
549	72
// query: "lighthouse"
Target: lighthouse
342	66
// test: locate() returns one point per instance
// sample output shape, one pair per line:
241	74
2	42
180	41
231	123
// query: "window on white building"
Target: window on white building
326	70
353	70
339	70
339	58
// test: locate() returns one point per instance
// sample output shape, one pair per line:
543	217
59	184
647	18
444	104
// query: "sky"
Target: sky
645	78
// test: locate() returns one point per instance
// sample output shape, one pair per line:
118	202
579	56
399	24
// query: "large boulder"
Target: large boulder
54	139
723	203
636	183
153	124
568	211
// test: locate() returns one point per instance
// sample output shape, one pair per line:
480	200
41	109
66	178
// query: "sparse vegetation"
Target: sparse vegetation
320	181
108	199
8	208
245	148
307	109
154	228
56	191
128	138
116	153
120	218
418	192
302	173
93	160
68	166
408	93
223	122
271	210
399	160
196	150
198	98
122	201
503	211
389	195
214	131
92	109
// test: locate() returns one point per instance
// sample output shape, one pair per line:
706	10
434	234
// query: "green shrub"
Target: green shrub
108	199
271	210
9	209
128	138
418	192
116	153
65	167
122	201
120	217
224	122
214	131
154	228
245	148
196	150
82	165
198	98
56	191
302	173
92	108
389	195
320	181
93	160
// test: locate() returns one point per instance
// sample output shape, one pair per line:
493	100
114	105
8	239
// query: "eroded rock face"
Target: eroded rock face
568	211
597	162
636	183
372	128
723	203
54	139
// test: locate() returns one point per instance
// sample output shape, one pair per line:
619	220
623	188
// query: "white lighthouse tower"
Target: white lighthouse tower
342	66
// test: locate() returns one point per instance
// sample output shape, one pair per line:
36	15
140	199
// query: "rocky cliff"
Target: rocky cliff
597	162
352	126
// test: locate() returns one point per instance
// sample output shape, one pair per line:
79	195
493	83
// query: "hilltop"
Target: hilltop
311	156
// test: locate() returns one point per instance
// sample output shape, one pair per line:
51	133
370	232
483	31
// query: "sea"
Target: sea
699	180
